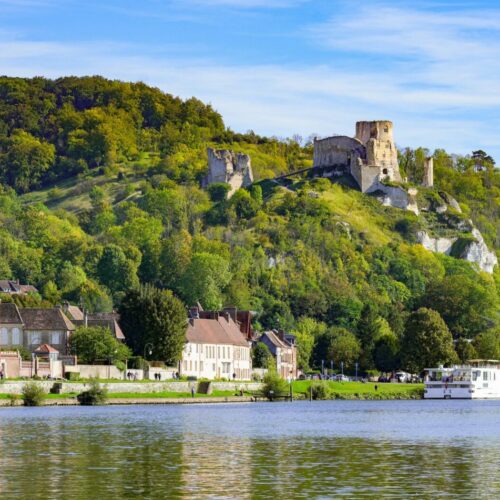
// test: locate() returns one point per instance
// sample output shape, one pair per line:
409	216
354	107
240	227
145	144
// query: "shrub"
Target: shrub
96	395
33	394
13	398
274	386
137	363
320	390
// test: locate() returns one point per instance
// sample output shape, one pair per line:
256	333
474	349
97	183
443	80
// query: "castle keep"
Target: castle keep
371	156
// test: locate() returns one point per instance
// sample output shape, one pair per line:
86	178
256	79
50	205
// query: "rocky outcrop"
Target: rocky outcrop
439	245
477	251
470	247
228	167
391	196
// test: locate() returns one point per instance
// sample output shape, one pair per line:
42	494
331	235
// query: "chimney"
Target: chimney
194	312
281	335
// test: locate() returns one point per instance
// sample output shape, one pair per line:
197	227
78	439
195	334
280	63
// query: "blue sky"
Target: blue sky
282	67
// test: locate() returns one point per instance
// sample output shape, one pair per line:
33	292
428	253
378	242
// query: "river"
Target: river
331	449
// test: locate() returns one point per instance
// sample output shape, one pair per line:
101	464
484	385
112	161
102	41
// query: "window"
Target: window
226	367
16	336
485	375
4	336
201	366
55	338
36	338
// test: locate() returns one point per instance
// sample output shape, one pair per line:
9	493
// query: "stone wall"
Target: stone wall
15	387
337	151
228	167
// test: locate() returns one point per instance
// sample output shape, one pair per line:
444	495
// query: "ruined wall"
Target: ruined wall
428	180
377	136
337	151
227	166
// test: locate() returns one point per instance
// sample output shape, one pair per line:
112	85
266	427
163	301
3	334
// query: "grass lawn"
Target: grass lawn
353	390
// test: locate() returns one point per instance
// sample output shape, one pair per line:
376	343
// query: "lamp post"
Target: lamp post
322	367
342	368
148	351
356	371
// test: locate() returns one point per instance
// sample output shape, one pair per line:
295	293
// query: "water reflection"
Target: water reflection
318	450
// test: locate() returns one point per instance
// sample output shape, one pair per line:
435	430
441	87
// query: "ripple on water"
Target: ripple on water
302	450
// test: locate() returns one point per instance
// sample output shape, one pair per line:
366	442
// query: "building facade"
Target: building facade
216	349
369	157
32	327
284	352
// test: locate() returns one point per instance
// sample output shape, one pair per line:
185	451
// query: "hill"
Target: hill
101	192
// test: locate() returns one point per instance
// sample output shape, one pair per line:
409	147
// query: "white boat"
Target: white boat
479	379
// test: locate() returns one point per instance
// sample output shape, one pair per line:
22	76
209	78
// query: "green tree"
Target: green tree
96	344
487	344
427	341
116	271
261	356
25	161
306	331
152	316
464	301
218	191
344	347
204	280
465	350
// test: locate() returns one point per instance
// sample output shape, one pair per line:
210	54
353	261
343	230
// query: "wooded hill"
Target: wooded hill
101	192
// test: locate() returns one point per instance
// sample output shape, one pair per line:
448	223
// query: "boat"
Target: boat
478	379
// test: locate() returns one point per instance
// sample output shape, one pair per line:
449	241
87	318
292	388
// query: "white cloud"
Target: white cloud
439	84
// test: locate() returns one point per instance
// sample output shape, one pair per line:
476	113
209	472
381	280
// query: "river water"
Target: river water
331	449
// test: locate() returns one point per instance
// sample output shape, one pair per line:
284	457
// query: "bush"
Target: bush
13	398
274	386
96	395
138	363
320	390
33	394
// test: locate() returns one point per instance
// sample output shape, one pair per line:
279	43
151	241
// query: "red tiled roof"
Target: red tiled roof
215	331
46	348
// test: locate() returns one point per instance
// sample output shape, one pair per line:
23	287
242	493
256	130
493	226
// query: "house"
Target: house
31	327
106	320
284	351
14	287
241	317
215	348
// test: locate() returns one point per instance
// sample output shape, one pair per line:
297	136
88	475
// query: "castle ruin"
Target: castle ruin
228	167
370	157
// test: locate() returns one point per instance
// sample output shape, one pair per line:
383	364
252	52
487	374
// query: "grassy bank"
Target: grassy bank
359	390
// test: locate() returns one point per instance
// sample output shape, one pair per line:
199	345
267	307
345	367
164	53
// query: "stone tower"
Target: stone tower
229	167
377	137
428	180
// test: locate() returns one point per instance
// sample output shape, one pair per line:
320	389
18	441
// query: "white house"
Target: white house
216	348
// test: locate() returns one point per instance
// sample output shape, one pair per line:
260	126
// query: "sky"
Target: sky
284	67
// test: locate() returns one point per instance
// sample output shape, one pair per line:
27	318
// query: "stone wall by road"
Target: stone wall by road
15	387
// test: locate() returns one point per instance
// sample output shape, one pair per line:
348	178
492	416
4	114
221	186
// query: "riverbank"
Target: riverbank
72	401
360	390
126	394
